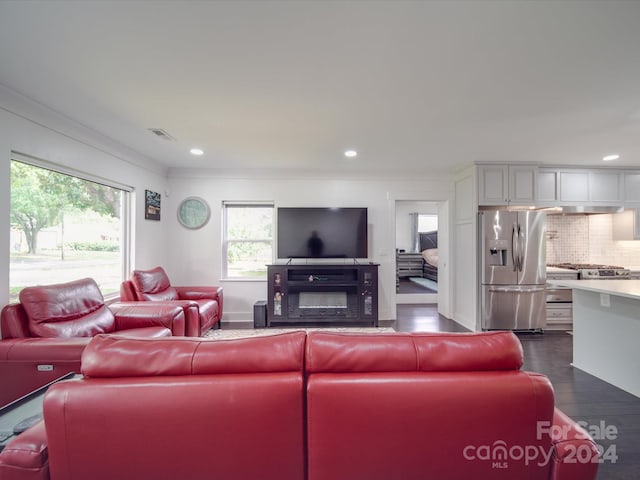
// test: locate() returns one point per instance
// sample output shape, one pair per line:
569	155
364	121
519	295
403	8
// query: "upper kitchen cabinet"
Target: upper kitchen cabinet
507	184
605	187
632	187
574	187
547	186
579	186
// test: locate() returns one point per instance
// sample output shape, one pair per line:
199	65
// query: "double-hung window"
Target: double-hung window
248	239
66	225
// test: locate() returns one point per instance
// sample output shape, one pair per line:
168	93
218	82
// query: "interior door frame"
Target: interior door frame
444	296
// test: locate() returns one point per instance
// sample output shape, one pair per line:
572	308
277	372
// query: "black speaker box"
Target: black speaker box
260	314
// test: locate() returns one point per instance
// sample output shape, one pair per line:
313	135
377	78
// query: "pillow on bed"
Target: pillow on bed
431	256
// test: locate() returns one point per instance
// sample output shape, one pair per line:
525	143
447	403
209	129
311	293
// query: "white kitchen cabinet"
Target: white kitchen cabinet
507	184
560	313
559	316
522	184
501	184
547	186
631	187
597	187
493	185
604	187
626	225
574	186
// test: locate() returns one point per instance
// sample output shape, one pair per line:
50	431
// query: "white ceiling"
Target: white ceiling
414	86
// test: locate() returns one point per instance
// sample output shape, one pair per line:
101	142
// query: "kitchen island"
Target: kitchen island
606	330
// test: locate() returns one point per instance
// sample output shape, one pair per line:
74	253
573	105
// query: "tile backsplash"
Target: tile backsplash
567	239
588	239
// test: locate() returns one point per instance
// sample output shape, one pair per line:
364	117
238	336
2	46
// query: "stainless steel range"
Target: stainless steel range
589	271
560	299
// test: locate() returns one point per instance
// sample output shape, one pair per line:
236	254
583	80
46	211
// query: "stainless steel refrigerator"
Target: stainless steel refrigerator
512	270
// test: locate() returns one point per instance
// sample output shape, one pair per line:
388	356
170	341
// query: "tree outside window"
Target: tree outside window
248	240
64	228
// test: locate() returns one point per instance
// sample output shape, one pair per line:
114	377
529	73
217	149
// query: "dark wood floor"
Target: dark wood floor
578	394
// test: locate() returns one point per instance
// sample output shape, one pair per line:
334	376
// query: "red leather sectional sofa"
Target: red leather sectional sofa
44	335
326	406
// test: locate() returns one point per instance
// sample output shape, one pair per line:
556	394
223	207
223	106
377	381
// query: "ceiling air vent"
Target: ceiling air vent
161	133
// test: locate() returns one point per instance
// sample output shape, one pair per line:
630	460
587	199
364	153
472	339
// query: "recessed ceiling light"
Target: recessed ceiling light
608	158
196	151
350	153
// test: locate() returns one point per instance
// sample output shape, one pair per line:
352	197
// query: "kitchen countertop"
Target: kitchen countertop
622	288
563	270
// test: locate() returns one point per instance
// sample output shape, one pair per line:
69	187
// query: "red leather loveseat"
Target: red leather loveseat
202	305
44	335
326	406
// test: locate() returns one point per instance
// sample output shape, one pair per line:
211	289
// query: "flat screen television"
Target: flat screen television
322	232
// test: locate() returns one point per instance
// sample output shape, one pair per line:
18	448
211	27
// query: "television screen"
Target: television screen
322	233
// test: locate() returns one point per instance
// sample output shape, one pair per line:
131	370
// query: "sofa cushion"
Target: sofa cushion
153	285
404	352
73	309
118	356
460	352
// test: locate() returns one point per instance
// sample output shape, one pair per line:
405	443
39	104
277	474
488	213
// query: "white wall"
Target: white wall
195	255
30	129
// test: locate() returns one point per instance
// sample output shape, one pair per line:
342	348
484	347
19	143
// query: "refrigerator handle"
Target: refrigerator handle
520	248
511	289
514	248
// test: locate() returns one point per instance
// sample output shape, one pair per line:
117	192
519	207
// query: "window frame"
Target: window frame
226	241
126	242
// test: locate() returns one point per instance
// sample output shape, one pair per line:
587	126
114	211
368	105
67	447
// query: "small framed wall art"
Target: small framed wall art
151	205
193	212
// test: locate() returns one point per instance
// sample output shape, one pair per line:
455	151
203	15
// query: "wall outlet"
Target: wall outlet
605	300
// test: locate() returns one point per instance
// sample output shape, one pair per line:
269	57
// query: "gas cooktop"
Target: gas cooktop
589	271
584	266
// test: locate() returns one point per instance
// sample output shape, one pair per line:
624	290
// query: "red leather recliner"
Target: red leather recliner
202	305
44	335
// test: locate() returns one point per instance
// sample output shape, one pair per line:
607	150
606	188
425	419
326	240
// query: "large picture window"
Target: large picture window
66	226
248	240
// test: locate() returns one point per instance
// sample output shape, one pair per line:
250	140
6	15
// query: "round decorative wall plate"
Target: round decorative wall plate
193	212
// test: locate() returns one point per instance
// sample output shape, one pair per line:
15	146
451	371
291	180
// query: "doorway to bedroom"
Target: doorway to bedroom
416	252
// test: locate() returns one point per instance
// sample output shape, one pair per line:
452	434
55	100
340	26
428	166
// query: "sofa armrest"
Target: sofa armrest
575	454
130	315
26	457
198	293
14	322
128	292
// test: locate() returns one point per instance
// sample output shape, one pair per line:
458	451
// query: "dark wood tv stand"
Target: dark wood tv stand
322	294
